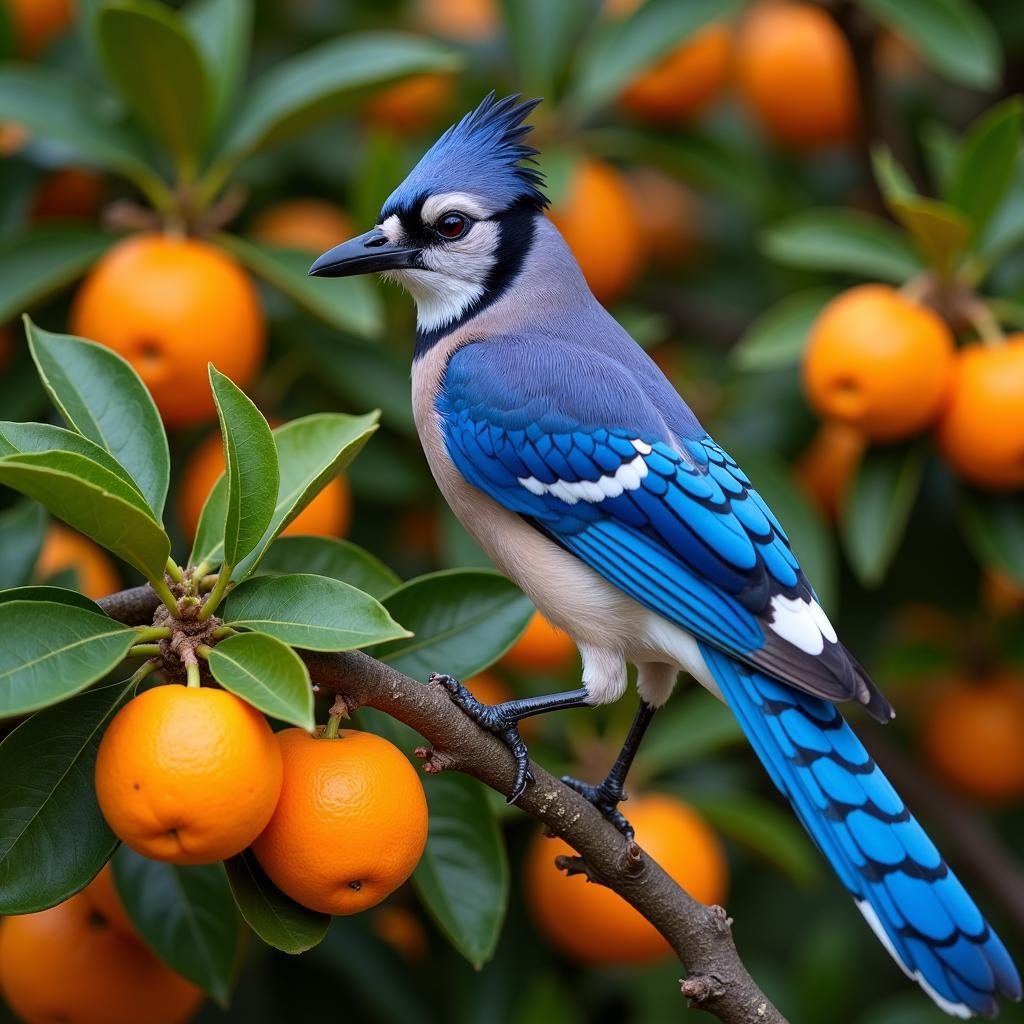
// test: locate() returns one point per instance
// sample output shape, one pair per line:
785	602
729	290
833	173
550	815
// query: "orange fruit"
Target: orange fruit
39	22
400	928
102	896
329	514
73	193
971	734
64	548
313	225
829	463
981	433
795	72
13	136
878	362
67	965
351	823
667	216
411	105
466	21
593	925
188	775
684	82
1002	595
169	305
598	221
541	648
489	688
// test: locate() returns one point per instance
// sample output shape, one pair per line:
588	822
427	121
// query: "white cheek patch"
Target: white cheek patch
434	206
626	478
392	228
803	623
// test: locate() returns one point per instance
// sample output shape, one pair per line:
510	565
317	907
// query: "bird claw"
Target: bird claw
605	800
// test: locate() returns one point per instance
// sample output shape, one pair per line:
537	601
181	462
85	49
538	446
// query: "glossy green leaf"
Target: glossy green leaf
313	612
463	877
59	595
38	262
463	620
953	36
892	179
842	240
276	918
100	395
95	502
52	650
22	528
777	338
222	30
877	508
347	303
994	526
541	35
53	838
251	475
157	69
939	230
186	915
268	674
328	556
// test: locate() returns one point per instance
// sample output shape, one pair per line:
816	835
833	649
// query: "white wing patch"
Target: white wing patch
626	478
802	622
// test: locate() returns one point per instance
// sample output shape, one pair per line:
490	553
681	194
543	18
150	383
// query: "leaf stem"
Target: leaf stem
984	322
144	651
145	669
223	631
174	571
162	591
210	606
333	725
200	570
192	674
204	651
145	634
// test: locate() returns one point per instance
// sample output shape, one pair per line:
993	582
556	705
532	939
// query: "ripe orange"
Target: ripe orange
102	896
73	193
329	514
829	463
310	224
67	965
489	688
972	732
878	362
598	222
795	72
667	217
188	775
39	22
400	928
541	648
64	548
593	925
465	21
411	105
981	434
169	305
684	82
351	823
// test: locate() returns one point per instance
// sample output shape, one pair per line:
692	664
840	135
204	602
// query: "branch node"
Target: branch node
577	866
341	707
699	988
435	761
632	859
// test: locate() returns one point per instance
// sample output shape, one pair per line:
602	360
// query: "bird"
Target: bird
566	453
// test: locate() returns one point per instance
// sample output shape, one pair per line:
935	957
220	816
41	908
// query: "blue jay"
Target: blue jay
574	463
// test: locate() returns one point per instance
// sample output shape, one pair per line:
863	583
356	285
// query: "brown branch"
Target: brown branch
700	936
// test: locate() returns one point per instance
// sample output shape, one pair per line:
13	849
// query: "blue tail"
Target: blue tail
902	886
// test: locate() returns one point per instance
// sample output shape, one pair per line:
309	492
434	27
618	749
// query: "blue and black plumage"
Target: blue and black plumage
576	465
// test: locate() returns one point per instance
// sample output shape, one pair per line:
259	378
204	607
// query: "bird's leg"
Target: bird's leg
607	795
503	719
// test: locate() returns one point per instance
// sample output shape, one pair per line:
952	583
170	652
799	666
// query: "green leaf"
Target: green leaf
777	337
462	877
893	180
276	918
328	556
38	262
312	612
994	527
842	240
99	394
877	508
95	502
347	303
22	527
52	650
939	230
252	473
53	838
620	49
986	163
157	69
463	621
953	36
542	36
268	674
222	30
690	728
60	595
186	915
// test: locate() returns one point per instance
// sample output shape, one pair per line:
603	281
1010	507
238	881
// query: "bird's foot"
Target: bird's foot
495	718
606	799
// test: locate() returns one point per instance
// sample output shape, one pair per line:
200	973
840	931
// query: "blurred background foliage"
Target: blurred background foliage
722	170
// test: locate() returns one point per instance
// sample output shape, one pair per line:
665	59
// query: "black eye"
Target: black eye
452	225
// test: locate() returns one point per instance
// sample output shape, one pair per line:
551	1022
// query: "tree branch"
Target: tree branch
700	936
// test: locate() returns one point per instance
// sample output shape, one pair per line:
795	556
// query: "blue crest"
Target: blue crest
480	155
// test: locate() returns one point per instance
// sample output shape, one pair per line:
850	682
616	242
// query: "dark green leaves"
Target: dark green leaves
51	651
221	29
312	612
268	674
994	525
463	621
276	918
252	470
22	527
463	875
53	838
185	915
939	230
327	556
777	338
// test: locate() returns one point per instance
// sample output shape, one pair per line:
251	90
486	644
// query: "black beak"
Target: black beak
364	255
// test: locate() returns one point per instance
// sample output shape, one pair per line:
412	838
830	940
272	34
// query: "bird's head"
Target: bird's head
455	232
